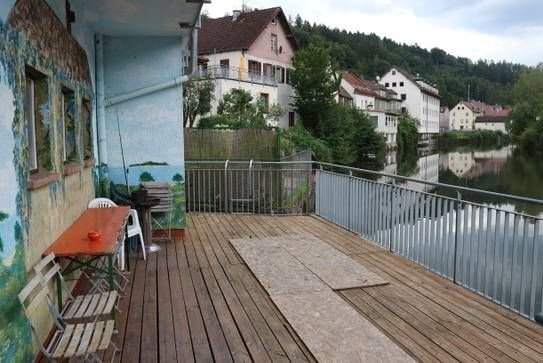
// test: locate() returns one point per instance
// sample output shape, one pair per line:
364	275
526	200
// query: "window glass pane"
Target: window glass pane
70	140
40	110
30	124
87	129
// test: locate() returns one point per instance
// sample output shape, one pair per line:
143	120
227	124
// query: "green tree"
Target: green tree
197	97
316	80
527	115
3	217
146	177
178	178
238	109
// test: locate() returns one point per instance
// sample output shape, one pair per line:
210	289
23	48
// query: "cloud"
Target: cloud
478	29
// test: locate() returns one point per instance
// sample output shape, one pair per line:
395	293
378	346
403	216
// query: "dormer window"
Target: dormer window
393	72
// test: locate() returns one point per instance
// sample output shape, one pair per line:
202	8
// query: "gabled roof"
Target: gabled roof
487	110
226	34
416	81
367	88
343	93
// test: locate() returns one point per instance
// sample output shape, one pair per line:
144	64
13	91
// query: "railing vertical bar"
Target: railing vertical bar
480	249
433	239
537	278
528	250
439	245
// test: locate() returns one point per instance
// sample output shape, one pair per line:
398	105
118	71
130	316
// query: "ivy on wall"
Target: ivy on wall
32	37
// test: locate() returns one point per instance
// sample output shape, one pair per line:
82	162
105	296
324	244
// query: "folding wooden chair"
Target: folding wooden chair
91	306
81	341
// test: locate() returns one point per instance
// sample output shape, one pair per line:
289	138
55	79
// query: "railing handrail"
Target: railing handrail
383	174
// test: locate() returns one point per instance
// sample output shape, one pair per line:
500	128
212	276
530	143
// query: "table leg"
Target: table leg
110	277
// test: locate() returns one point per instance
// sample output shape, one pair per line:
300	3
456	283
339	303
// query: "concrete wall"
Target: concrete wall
151	124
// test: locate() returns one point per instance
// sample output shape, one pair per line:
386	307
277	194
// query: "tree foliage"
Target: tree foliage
342	134
372	56
146	177
527	115
316	81
238	109
197	97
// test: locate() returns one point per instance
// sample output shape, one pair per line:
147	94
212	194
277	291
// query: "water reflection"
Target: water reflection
503	170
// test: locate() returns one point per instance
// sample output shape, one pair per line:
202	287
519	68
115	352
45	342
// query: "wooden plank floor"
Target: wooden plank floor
195	300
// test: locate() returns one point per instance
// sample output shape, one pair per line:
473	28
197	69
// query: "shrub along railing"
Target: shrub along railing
493	251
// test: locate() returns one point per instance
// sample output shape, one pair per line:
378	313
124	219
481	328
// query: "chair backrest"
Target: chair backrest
32	297
134	218
102	203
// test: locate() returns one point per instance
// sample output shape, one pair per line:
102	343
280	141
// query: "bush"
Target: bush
297	139
408	134
478	138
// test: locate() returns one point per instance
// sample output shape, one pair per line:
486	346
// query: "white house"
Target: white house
382	105
251	50
477	115
418	97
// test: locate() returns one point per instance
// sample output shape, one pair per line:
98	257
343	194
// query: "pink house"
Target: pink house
251	50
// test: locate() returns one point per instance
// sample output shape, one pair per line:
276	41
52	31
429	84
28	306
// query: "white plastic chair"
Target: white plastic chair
133	228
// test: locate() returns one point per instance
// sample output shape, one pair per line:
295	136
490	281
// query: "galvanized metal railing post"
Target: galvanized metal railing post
391	234
251	181
227	204
349	200
456	233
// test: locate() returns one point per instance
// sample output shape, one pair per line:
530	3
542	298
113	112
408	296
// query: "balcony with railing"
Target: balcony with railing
238	74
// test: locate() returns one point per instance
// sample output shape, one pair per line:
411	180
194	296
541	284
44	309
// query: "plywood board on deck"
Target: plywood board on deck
335	332
336	269
276	269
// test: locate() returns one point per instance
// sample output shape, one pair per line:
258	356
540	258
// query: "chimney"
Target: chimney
236	14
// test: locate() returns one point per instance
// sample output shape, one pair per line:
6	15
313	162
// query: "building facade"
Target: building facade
419	98
75	78
253	51
381	104
477	115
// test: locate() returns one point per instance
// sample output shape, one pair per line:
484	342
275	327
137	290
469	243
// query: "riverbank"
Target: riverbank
479	138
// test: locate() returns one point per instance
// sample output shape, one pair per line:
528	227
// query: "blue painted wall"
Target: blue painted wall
150	125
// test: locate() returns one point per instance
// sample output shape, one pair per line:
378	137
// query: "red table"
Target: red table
75	246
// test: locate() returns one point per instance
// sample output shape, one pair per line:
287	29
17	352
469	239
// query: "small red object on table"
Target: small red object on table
76	245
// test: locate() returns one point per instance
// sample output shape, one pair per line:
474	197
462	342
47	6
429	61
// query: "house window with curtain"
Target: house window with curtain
37	117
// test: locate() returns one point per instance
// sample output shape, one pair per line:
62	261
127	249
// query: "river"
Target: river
504	170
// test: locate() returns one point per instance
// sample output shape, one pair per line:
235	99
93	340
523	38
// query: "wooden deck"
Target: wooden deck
195	300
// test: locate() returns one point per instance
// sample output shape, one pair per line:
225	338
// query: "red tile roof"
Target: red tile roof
226	34
367	88
487	110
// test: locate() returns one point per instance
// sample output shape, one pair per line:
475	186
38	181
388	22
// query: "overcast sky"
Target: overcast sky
478	29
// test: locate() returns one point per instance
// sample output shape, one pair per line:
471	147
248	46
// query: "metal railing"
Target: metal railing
238	74
492	251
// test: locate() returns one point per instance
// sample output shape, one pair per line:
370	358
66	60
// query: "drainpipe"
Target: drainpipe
100	109
167	84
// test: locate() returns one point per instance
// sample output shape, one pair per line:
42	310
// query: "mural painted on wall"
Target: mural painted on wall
14	331
19	48
149	126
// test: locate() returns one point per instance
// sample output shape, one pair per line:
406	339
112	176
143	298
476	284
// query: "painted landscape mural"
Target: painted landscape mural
14	330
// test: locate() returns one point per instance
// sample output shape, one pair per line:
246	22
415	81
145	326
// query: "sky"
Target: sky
496	30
